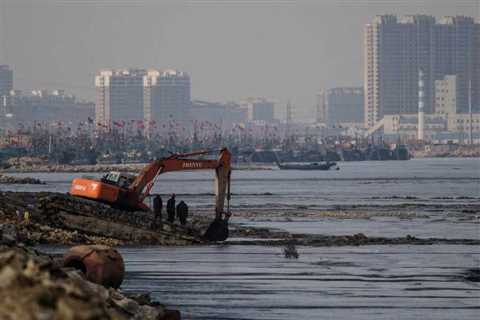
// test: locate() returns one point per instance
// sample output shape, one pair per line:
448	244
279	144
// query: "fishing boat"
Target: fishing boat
307	166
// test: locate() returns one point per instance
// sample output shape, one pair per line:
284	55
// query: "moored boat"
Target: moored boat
307	166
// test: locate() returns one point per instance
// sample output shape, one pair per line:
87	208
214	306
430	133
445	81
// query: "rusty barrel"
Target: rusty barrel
100	264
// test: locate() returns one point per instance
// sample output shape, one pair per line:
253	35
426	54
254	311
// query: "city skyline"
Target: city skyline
290	57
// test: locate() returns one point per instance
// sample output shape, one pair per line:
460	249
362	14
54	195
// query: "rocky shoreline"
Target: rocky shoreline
34	285
4	179
54	218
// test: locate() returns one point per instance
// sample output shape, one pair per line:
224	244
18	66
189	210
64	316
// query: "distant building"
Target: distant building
405	126
166	95
476	69
259	109
460	122
49	106
208	111
119	96
396	48
456	47
224	113
446	95
342	105
6	85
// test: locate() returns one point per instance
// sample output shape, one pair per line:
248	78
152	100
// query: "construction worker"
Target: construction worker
182	212
171	208
157	211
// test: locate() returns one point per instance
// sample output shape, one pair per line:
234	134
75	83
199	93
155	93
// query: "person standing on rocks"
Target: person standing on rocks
157	211
171	208
182	212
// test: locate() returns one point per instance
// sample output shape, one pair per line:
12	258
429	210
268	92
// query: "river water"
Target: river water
369	282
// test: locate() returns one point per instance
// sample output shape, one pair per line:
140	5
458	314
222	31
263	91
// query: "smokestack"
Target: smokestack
421	114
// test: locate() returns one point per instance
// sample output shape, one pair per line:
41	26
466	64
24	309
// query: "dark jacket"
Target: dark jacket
182	209
157	204
171	205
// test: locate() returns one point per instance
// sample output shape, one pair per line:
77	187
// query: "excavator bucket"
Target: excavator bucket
217	231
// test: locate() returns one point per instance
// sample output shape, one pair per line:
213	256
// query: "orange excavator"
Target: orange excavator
128	192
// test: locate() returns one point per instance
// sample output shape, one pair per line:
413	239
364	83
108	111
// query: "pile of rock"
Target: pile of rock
35	286
19	180
54	218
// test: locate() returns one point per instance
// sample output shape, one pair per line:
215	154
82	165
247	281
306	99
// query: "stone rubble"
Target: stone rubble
55	218
4	179
34	286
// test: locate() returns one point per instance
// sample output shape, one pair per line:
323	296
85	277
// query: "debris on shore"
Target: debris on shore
34	285
4	179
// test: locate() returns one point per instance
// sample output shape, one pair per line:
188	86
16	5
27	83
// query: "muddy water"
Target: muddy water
377	282
256	282
370	282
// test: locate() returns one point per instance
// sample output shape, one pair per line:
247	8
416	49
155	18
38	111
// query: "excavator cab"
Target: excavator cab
120	179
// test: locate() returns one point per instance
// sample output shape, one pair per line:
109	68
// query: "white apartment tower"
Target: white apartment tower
119	96
166	96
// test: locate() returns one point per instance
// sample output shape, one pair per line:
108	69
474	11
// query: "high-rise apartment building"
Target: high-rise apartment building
166	95
455	49
141	95
476	69
397	48
119	96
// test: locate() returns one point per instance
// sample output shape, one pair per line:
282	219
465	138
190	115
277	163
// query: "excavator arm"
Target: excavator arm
132	196
143	183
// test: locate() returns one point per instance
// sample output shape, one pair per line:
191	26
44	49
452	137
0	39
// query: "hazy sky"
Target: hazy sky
232	49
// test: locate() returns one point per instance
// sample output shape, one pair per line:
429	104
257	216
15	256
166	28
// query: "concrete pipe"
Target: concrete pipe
100	264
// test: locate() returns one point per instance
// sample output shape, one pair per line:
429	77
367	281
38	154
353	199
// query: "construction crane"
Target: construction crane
128	192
